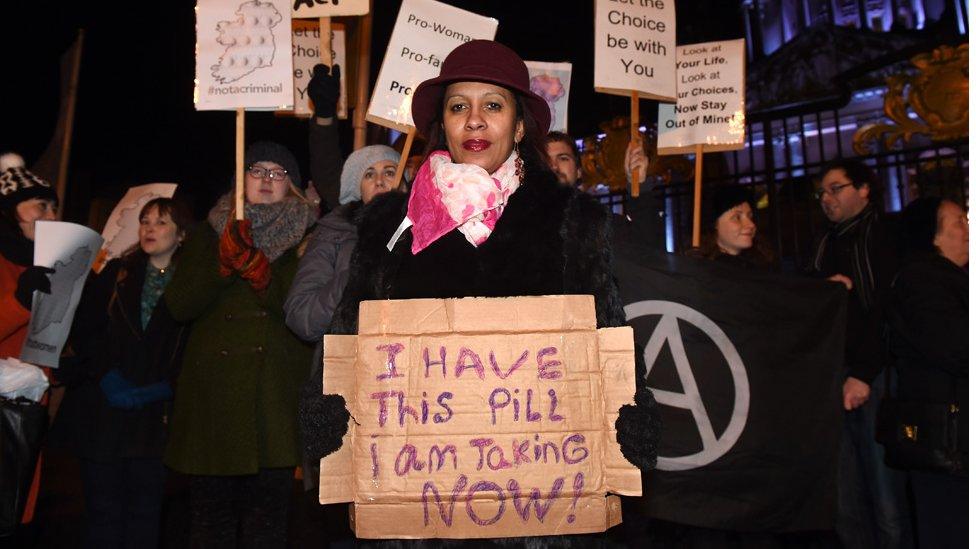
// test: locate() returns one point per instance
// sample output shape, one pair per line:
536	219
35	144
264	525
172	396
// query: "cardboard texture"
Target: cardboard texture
480	417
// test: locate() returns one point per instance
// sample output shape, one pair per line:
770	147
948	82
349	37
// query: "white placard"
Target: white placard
711	100
424	33
635	48
70	250
121	231
243	55
305	55
328	8
551	82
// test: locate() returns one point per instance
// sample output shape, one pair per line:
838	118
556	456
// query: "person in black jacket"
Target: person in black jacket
497	224
929	320
127	348
858	251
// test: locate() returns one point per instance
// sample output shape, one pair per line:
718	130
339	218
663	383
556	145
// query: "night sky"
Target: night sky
135	121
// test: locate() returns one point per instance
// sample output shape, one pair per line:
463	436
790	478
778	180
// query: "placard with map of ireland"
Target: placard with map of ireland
70	250
243	55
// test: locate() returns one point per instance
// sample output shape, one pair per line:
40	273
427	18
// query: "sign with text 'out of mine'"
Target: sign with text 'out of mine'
424	33
480	417
243	55
711	100
635	48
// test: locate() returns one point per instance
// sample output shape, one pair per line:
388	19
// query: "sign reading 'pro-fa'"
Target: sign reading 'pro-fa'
424	33
711	100
634	48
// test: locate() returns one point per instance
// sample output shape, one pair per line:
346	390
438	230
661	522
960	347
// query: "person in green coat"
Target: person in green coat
234	429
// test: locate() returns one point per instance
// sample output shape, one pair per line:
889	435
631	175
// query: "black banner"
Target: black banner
746	368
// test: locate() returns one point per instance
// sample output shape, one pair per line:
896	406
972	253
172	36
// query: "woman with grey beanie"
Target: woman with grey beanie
324	269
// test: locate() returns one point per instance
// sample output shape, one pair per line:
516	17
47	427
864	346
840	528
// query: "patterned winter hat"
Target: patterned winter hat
18	184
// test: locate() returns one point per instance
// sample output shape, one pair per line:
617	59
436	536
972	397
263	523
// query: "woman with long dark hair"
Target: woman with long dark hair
127	347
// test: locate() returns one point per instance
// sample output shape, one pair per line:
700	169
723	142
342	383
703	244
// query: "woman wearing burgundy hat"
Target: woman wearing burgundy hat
485	217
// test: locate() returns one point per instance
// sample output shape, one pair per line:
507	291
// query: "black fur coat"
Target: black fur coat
550	240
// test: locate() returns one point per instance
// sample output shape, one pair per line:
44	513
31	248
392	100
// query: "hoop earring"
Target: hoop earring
519	164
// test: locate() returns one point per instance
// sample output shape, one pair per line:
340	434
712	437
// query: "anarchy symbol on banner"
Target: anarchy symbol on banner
667	331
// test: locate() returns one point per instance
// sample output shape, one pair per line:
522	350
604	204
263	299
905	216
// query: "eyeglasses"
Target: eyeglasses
832	191
275	174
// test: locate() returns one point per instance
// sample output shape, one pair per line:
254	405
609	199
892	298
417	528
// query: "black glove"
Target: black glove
34	278
323	420
639	430
324	90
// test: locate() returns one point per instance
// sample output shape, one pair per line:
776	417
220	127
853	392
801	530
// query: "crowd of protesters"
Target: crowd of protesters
191	351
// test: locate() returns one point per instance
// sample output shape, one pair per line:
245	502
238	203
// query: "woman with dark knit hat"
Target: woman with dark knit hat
928	319
485	217
234	427
731	235
24	200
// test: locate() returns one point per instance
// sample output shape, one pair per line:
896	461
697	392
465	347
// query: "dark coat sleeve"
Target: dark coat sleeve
89	325
589	256
868	358
325	162
197	282
376	224
933	318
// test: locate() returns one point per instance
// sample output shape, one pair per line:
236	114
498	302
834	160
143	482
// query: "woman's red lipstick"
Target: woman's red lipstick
476	145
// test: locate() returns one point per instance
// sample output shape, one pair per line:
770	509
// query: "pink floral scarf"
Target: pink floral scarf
447	196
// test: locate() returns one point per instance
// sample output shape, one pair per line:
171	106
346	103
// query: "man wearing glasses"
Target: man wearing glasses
856	251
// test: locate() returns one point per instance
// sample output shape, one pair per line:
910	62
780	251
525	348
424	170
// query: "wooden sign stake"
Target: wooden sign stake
325	41
696	227
404	154
634	138
239	171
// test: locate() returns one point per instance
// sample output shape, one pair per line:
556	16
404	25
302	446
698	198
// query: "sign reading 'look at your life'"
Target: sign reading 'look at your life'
711	100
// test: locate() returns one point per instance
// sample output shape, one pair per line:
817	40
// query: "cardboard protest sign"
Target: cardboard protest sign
243	56
305	48
480	417
635	48
424	33
328	8
121	231
70	250
551	82
711	100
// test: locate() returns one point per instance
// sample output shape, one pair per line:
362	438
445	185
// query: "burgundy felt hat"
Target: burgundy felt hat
479	61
